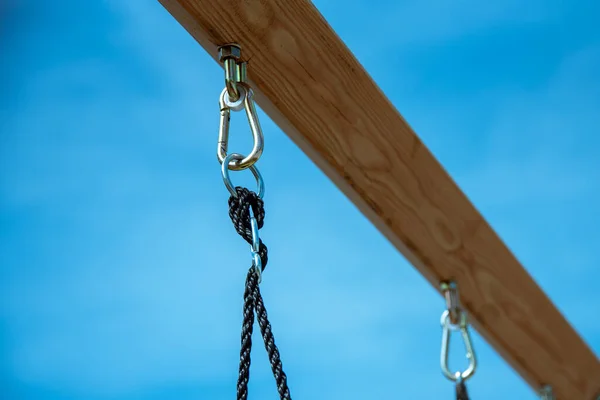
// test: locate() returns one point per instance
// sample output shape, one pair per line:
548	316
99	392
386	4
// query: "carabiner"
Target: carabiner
246	101
447	326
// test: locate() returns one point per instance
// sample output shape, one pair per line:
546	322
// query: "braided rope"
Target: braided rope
461	390
272	351
247	328
239	212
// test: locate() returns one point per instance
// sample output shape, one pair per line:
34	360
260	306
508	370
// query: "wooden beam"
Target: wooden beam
312	86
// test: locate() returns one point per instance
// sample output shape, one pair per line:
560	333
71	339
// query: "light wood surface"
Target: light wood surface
311	85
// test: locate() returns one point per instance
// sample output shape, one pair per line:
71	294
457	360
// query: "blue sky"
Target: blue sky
121	274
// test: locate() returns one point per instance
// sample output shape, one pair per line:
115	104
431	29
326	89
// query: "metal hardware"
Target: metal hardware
448	326
227	180
237	95
246	101
230	55
242	72
255	246
450	291
546	393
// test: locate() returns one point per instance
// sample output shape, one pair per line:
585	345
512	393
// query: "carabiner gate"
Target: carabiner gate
447	326
245	101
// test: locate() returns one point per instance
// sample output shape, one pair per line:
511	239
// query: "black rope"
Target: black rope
239	212
461	390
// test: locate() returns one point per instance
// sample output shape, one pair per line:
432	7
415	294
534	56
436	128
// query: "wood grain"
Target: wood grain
313	87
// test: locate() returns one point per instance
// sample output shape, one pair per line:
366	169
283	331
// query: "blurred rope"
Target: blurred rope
461	390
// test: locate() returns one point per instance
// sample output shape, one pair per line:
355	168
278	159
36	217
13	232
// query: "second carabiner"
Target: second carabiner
447	327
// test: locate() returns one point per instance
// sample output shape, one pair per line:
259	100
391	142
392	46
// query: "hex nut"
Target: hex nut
230	51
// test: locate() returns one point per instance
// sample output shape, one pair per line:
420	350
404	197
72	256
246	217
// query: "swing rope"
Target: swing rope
240	214
240	207
461	390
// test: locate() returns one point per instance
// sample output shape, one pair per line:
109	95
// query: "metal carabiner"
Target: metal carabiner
245	101
447	326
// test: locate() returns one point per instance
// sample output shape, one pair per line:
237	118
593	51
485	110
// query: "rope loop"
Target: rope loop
239	212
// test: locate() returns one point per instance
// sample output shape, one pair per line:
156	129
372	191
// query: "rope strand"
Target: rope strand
272	351
461	390
246	347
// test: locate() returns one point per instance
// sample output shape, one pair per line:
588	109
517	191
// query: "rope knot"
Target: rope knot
239	212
